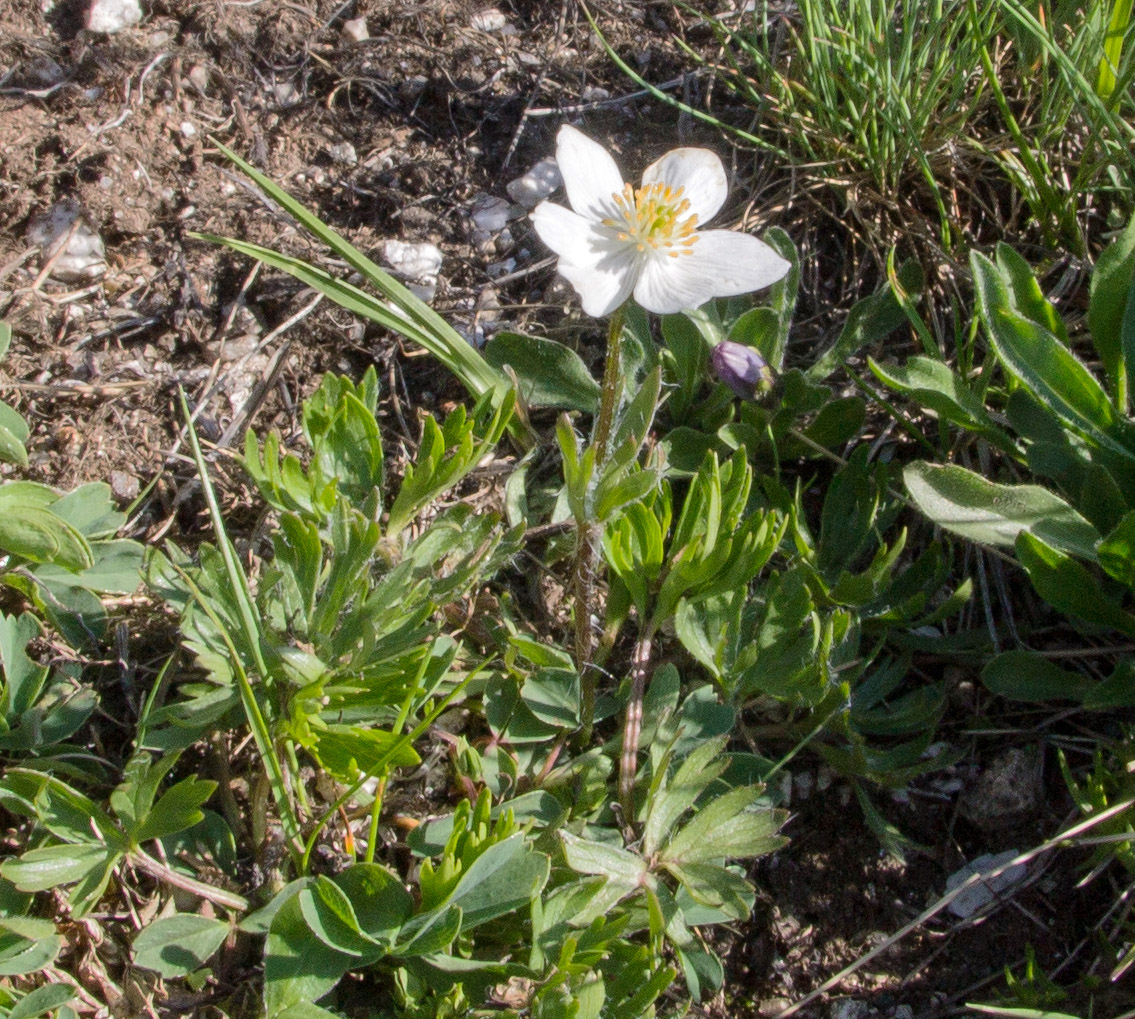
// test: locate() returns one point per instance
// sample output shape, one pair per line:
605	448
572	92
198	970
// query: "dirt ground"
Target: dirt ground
405	135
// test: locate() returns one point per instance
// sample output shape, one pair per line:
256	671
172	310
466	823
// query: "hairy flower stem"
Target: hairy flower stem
589	532
632	728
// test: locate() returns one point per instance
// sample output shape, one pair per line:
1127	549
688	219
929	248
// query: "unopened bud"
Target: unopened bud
742	369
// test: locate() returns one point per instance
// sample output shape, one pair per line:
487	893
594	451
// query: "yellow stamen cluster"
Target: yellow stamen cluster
656	215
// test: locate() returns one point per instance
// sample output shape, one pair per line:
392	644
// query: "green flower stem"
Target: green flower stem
589	532
297	782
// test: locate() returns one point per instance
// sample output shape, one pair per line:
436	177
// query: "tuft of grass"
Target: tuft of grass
873	95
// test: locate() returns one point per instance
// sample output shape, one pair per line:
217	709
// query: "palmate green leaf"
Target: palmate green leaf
1068	586
548	373
177	945
134	796
726	828
965	503
340	426
449	452
603	859
674	797
178	809
346	751
728	894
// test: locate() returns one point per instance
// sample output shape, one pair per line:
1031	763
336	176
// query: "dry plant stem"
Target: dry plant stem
589	532
159	870
632	728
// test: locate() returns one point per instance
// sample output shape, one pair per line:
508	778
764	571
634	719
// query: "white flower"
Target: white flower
647	241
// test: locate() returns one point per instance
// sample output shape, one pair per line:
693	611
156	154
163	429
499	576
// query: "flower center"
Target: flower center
655	215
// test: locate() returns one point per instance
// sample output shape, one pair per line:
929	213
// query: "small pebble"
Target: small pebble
110	16
489	20
199	77
63	234
982	893
355	30
412	261
286	93
343	152
489	215
125	487
537	184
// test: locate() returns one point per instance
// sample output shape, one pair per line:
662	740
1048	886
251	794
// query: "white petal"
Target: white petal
604	285
590	175
700	175
568	234
721	263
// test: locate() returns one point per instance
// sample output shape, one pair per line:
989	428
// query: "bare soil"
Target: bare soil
438	112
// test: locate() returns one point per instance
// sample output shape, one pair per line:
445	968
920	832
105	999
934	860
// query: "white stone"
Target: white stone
982	893
187	129
343	152
356	30
110	16
489	20
286	93
412	261
65	239
199	77
537	184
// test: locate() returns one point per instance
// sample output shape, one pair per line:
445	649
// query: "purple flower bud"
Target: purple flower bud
742	369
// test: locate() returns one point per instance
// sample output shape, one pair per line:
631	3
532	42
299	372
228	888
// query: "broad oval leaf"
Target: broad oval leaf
965	503
177	945
548	374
